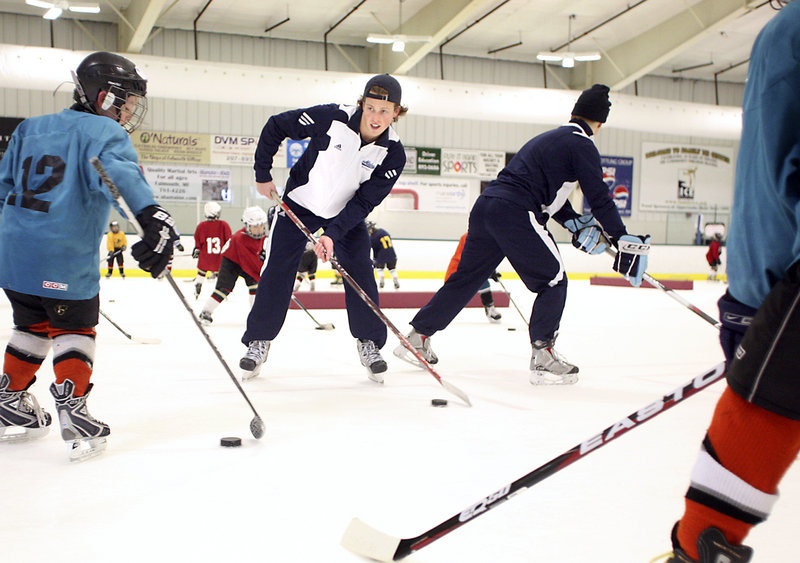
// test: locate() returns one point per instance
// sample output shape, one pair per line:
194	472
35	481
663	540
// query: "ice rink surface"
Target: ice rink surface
338	445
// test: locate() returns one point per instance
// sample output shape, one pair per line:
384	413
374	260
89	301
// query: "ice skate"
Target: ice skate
85	434
254	358
396	284
21	417
108	275
421	344
205	318
712	547
381	283
549	368
492	314
371	359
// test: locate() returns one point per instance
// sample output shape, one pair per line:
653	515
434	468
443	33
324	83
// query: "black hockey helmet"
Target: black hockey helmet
112	73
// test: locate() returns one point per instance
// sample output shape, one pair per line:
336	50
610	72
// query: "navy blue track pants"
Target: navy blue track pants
498	228
274	293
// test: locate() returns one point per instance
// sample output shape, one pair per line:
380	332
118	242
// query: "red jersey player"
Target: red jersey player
209	239
242	256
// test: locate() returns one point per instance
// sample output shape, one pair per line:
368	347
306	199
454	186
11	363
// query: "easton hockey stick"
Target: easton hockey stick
372	305
326	326
670	292
365	540
256	424
139	339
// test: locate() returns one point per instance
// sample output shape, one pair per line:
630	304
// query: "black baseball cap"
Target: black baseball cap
388	83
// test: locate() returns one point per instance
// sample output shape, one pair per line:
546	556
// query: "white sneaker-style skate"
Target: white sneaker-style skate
371	359
85	434
21	417
254	358
421	344
548	367
492	314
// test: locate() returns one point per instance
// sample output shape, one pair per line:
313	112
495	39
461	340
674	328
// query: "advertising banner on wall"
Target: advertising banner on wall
188	183
435	193
678	177
429	161
166	146
233	149
472	163
618	176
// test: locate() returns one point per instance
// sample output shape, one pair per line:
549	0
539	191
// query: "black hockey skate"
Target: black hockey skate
85	434
371	359
712	547
21	417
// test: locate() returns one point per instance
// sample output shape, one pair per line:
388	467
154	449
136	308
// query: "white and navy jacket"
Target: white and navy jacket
338	177
544	172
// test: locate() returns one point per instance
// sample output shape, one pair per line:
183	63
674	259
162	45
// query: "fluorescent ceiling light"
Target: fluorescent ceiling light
567	59
382	39
399	46
53	13
57	7
88	9
39	4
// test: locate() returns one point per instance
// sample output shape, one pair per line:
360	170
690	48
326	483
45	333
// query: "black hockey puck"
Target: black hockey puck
438	402
231	442
511	328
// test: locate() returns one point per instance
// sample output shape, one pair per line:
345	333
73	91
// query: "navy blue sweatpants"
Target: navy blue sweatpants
498	228
286	245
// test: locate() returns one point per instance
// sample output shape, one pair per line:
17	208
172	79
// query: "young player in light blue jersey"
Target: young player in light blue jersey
54	210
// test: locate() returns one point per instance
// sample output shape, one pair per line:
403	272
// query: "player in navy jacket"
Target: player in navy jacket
54	210
353	159
509	220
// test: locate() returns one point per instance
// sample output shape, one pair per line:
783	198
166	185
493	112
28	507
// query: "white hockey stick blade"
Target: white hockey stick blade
145	340
364	540
326	326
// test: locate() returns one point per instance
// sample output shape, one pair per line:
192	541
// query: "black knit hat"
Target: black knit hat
593	103
388	83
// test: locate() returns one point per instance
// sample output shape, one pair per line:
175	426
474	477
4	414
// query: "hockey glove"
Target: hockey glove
735	318
586	234
262	255
154	251
631	258
196	253
179	247
495	276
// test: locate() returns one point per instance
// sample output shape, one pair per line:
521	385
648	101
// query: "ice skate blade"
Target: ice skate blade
248	375
86	448
547	378
26	434
376	377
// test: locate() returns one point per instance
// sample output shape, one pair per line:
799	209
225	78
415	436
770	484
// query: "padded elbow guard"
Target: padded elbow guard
765	370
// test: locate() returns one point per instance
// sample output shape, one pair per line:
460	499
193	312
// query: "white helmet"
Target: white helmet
212	210
255	222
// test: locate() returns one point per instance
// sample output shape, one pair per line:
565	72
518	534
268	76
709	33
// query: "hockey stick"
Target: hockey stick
256	424
513	302
611	250
365	540
326	326
372	305
138	339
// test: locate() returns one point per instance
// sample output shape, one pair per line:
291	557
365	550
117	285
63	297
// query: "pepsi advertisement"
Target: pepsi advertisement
618	176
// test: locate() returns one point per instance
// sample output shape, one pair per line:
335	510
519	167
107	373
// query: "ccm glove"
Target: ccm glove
196	253
154	251
631	258
179	247
495	276
735	318
586	234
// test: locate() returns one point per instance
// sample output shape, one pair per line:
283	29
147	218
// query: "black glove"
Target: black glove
495	276
196	253
154	251
262	255
111	254
179	246
735	318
